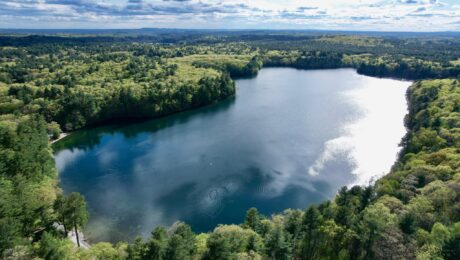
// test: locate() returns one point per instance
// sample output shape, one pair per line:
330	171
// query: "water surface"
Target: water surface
290	138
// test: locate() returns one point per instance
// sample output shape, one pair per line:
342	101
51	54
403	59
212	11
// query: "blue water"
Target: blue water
271	147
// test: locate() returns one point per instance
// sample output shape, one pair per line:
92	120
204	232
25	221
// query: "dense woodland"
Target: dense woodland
50	84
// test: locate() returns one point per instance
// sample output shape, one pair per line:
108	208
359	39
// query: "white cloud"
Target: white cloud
409	15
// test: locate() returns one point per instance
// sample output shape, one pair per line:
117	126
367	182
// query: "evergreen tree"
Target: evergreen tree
252	220
76	213
278	244
182	244
156	246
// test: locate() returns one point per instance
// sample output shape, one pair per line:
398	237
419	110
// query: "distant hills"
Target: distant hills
162	31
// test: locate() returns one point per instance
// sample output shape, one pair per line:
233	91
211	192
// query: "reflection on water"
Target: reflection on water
289	139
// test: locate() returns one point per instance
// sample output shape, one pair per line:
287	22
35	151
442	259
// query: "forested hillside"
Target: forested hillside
54	84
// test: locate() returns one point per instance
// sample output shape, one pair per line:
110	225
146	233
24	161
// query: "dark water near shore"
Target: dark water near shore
290	138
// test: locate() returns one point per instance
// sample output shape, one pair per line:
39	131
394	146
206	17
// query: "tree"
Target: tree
33	156
451	248
376	218
227	241
60	209
440	194
156	246
75	212
278	244
54	248
426	139
252	220
332	238
182	244
136	250
391	244
101	251
54	130
440	234
10	233
293	222
421	210
311	224
219	247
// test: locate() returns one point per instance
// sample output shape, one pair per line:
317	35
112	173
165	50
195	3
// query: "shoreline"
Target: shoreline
71	234
83	243
61	136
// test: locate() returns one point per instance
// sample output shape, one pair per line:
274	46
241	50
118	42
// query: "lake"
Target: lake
290	138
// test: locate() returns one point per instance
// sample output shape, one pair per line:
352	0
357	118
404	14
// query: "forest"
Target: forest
51	84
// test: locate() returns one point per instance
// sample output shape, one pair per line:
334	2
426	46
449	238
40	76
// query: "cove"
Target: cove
290	138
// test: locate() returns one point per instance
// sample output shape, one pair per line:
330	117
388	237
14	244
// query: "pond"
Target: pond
290	138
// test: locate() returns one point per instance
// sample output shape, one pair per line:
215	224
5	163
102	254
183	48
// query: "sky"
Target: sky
374	15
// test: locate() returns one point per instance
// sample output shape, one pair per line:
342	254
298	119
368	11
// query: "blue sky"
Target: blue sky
378	15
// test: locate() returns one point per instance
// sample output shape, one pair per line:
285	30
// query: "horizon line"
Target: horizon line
228	29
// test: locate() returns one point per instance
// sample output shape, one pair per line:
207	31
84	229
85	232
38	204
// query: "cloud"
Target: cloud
304	8
290	14
420	9
421	2
409	1
285	14
361	18
66	2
